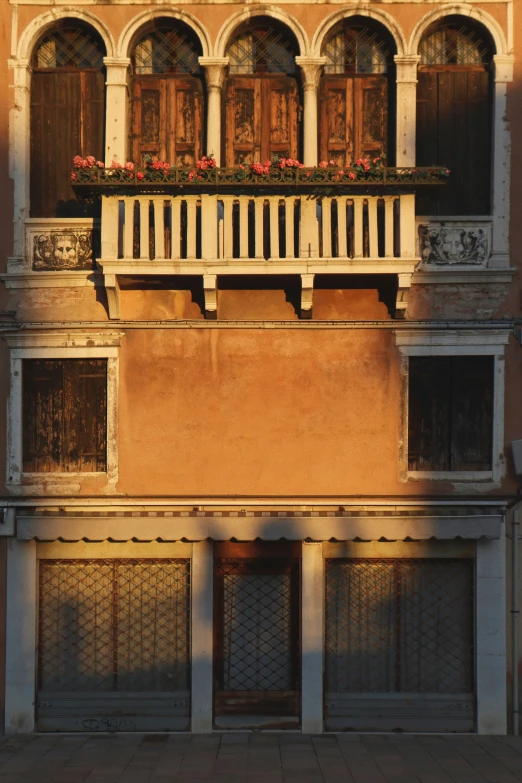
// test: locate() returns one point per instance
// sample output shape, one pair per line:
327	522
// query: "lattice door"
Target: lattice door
256	627
399	641
113	644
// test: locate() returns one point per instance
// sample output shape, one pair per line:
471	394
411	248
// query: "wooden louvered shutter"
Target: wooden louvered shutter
261	118
64	415
454	129
243	120
167	121
354	117
279	118
67	119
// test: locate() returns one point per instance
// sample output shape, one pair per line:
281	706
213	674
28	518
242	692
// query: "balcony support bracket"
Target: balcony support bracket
403	289
210	290
307	293
112	288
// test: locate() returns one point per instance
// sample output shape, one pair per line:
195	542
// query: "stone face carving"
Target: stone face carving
65	249
454	245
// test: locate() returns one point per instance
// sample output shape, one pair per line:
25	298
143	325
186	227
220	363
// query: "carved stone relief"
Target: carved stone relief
65	249
457	244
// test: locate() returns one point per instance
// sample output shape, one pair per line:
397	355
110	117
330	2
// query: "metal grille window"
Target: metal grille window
450	413
113	626
258	626
454	44
69	45
166	48
355	49
262	49
399	626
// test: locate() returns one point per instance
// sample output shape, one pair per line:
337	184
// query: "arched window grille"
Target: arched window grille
262	48
69	45
355	49
454	44
167	47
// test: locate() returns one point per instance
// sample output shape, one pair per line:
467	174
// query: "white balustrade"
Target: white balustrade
264	229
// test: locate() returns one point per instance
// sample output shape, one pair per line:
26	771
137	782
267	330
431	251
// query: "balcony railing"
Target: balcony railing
214	229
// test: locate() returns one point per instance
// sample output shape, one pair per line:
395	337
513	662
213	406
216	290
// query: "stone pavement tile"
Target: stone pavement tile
392	765
450	759
506	756
94	777
514	742
298	777
359	761
480	759
422	763
134	777
71	776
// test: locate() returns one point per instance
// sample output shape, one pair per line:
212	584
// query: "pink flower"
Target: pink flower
73	176
100	164
91	160
115	164
447	171
140	175
352	175
332	163
77	161
129	166
323	164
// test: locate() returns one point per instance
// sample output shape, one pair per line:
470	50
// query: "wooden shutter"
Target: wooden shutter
167	121
64	415
454	129
354	117
261	118
67	119
472	413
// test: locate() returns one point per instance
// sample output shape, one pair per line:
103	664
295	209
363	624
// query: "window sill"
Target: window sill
450	475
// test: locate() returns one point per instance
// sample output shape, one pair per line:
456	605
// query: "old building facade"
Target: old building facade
261	364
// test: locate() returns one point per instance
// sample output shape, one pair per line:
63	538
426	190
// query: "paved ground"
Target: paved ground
260	758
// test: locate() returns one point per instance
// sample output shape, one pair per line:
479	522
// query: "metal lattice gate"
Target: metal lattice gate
113	650
256	643
399	645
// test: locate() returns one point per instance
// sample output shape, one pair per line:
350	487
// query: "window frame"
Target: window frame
103	345
455	342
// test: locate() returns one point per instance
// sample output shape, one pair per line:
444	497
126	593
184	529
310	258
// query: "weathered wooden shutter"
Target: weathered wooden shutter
167	119
354	117
450	413
261	118
454	129
67	119
64	415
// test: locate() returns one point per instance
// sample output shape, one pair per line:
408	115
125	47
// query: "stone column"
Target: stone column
19	146
311	68
202	640
312	638
406	66
20	650
501	169
490	644
215	69
116	113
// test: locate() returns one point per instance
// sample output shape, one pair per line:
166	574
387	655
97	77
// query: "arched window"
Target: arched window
356	92
262	94
167	91
67	113
454	115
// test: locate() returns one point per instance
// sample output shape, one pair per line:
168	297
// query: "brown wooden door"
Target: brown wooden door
454	130
354	117
261	118
256	626
67	119
167	121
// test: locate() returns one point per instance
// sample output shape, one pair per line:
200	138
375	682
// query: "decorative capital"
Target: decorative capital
311	68
406	66
116	70
22	72
215	69
503	67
